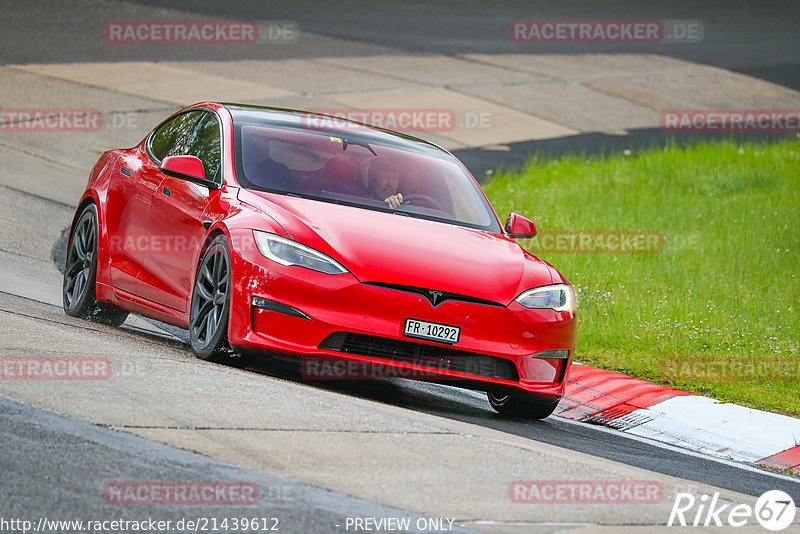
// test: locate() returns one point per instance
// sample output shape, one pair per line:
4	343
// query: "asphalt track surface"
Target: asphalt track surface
40	447
54	464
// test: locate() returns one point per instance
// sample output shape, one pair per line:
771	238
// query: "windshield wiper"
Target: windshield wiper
348	142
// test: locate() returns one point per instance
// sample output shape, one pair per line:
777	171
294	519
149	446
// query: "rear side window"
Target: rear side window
171	137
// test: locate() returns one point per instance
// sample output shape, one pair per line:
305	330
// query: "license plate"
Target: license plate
442	333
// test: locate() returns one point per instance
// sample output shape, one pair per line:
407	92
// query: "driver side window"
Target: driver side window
205	144
171	137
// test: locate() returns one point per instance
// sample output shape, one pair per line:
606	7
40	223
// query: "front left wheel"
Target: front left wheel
517	406
80	274
210	306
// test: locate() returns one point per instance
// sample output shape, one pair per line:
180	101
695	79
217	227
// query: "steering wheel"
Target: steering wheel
432	202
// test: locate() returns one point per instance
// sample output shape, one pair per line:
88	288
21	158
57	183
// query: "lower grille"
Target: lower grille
429	356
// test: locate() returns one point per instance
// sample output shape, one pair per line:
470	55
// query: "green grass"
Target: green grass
726	284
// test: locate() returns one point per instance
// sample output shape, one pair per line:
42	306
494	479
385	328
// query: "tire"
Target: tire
80	274
517	406
211	303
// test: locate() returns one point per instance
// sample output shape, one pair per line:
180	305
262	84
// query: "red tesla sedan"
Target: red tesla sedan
282	231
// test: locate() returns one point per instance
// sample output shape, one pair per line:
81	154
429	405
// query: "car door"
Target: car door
176	216
125	217
129	200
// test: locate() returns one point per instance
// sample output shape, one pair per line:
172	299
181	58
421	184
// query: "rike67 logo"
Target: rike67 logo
774	510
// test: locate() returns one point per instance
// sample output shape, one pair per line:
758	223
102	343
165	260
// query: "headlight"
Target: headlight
558	297
288	252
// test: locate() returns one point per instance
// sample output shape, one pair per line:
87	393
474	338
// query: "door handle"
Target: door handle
166	192
126	171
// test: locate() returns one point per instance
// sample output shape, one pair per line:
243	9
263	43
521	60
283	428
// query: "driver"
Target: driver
381	183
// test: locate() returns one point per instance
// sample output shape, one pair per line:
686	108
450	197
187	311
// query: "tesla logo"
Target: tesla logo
434	296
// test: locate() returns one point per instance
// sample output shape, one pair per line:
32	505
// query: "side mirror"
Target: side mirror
187	168
520	227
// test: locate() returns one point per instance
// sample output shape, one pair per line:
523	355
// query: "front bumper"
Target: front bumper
314	315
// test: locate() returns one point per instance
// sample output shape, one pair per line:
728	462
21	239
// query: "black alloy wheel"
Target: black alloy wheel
210	306
80	274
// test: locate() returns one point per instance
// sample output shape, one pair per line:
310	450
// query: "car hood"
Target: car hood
381	247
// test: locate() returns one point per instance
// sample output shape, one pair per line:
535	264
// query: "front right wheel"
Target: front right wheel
517	406
210	306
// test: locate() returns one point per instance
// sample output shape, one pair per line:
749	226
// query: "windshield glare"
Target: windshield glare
360	170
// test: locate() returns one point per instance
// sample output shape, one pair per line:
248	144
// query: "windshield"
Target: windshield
360	168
